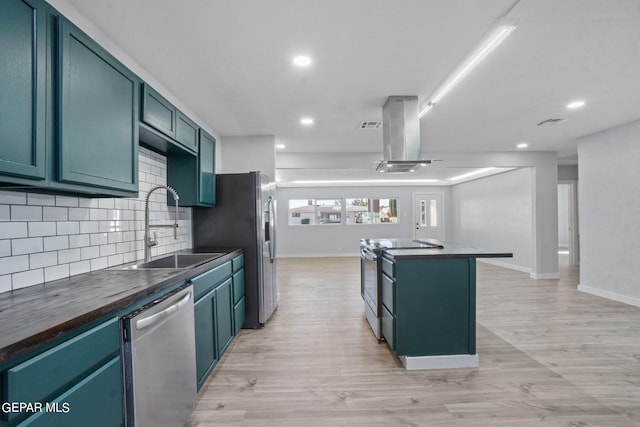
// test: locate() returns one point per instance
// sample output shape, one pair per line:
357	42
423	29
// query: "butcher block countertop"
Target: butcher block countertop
37	315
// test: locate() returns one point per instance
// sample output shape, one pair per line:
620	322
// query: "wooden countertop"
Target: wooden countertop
450	250
35	316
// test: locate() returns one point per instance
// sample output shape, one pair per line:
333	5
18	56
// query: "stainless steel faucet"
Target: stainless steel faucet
148	241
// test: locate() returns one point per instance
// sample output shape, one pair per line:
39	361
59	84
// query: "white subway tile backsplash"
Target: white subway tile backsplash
68	255
11	230
87	227
97	214
79	267
56	272
5	248
45	237
27	278
41	199
5	213
99	239
79	214
26	213
43	259
68	227
42	229
56	243
26	246
54	214
13	198
99	263
14	264
67	201
5	283
79	240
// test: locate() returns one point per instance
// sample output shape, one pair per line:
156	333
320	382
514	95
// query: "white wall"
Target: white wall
609	213
496	213
248	153
343	239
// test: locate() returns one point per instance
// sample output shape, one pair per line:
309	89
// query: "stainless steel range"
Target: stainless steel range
371	273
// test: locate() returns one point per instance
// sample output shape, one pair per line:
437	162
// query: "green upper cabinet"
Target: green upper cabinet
194	177
22	90
98	115
186	131
157	112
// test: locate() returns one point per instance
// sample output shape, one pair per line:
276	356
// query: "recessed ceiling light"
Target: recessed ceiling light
280	146
307	121
575	104
522	145
302	61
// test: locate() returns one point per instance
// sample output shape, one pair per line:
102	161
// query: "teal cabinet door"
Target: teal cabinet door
207	170
22	89
224	315
186	132
194	177
206	349
98	115
157	112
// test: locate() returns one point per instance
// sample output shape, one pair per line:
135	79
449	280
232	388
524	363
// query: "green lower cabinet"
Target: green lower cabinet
75	383
238	316
224	315
206	348
435	302
95	401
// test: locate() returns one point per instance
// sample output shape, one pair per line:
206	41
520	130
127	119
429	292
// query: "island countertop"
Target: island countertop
37	315
449	250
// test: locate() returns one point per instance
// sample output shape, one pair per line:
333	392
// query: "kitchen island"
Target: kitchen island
428	310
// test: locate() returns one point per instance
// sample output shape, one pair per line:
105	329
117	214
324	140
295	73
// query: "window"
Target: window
315	211
372	211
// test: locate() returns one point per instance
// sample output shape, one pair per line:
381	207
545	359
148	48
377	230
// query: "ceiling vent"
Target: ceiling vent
370	124
550	122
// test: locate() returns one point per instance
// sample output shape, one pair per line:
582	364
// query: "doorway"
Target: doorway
428	216
568	229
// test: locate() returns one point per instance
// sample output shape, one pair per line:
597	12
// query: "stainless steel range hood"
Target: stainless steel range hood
401	135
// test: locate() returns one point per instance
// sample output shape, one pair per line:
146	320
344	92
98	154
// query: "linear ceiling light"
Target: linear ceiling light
367	181
483	49
470	174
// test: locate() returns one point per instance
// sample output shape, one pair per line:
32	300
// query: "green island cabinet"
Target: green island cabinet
78	382
428	311
194	177
68	109
216	315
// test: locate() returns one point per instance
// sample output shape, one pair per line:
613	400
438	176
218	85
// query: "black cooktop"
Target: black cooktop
400	244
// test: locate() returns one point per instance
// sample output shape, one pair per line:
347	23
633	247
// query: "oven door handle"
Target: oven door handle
368	255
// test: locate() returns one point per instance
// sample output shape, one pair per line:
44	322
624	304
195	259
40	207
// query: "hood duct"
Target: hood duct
400	135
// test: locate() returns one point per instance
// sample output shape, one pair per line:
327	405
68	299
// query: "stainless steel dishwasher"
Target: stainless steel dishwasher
158	349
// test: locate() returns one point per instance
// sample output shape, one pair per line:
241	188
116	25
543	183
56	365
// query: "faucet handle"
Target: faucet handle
153	241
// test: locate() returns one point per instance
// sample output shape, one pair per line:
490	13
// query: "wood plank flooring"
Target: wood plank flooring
549	355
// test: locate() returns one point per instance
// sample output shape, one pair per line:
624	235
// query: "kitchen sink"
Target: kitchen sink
176	261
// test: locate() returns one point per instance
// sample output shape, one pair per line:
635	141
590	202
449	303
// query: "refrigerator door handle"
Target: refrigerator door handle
268	237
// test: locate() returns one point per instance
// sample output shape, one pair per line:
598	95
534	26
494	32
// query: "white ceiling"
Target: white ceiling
230	62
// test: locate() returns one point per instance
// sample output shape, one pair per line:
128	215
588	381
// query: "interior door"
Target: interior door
428	216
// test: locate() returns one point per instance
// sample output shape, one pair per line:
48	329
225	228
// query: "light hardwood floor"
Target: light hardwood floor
549	355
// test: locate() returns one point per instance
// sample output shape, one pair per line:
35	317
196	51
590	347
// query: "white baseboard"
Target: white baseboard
505	265
440	362
610	295
520	268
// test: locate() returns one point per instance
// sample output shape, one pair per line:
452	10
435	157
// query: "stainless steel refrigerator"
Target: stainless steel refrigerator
245	217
